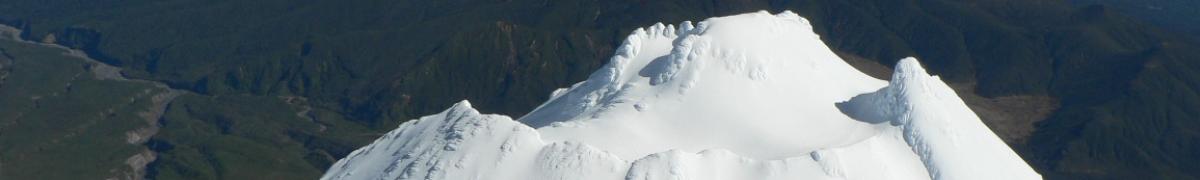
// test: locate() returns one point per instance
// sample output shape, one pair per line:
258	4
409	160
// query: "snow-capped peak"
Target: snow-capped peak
752	96
952	142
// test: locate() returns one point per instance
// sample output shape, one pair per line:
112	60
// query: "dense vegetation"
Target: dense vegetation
280	89
68	124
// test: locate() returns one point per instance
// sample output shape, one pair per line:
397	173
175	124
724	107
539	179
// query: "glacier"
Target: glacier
750	96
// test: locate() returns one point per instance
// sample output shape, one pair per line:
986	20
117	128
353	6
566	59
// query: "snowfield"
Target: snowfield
751	96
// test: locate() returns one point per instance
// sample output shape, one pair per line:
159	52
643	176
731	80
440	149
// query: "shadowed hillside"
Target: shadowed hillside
1176	15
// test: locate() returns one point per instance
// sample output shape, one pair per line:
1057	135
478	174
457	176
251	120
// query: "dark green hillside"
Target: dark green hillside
64	117
59	120
1124	91
250	137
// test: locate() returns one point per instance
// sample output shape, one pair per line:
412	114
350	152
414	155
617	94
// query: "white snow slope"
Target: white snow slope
751	96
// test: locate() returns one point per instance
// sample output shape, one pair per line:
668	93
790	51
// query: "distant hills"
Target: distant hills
290	86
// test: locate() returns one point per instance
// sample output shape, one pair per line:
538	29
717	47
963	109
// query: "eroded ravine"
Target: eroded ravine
159	97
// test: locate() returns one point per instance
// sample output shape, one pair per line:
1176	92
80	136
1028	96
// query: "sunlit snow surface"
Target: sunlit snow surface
752	96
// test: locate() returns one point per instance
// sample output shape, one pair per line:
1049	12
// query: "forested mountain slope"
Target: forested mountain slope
1126	92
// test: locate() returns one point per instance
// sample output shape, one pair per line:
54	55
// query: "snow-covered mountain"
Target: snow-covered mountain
752	96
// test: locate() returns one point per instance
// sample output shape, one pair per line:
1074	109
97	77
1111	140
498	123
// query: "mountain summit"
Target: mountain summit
751	96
